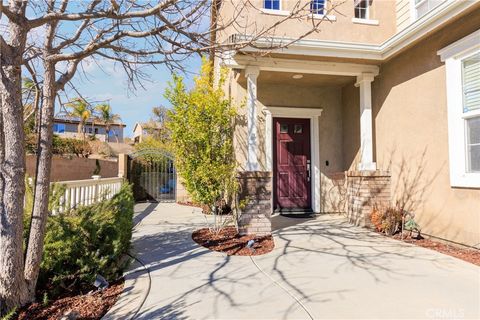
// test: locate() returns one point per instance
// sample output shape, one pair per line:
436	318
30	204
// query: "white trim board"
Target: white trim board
303	113
300	66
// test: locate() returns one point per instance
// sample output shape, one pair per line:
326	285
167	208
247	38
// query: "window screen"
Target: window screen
471	83
271	4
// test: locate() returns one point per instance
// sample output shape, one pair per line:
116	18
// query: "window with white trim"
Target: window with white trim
271	4
362	9
462	63
422	7
317	6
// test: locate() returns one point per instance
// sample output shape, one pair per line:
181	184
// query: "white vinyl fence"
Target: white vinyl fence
87	192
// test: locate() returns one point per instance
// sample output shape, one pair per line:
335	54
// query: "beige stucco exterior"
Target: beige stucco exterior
337	26
411	136
409	111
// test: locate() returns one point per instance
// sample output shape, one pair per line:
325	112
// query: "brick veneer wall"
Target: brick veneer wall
365	190
255	198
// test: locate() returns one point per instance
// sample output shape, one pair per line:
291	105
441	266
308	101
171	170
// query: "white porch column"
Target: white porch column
268	140
251	73
364	81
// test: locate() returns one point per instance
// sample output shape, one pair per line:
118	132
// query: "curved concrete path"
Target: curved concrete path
321	268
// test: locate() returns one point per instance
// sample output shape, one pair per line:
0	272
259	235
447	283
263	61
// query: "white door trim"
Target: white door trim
304	113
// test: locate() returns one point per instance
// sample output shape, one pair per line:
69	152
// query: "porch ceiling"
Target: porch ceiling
308	80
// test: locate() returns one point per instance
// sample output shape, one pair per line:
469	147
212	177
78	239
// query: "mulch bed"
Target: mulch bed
89	306
227	240
466	254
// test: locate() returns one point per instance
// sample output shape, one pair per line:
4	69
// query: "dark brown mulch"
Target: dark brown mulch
227	240
466	254
89	306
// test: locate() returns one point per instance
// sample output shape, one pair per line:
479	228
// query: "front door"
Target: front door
291	183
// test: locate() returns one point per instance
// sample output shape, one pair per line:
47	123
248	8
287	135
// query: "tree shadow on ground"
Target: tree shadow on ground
347	248
172	253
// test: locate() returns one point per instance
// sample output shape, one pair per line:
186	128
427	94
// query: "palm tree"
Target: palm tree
79	108
107	118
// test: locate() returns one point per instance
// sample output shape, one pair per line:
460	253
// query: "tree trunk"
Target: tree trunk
13	290
42	184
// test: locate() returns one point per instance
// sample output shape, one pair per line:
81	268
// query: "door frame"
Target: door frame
313	115
277	121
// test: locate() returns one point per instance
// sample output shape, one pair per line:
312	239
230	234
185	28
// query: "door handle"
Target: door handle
308	170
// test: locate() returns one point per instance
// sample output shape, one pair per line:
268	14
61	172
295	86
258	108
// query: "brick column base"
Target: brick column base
365	190
255	203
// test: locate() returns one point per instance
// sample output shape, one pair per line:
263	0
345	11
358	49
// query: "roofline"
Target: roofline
356	50
88	122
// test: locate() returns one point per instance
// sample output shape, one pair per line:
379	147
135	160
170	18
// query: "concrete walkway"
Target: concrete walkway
321	268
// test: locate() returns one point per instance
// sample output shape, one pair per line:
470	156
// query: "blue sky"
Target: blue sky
104	81
110	83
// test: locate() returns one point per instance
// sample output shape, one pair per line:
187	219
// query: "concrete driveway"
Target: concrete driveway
321	268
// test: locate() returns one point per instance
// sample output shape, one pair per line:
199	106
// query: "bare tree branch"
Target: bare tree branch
111	14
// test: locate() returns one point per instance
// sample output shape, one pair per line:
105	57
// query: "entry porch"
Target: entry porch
305	139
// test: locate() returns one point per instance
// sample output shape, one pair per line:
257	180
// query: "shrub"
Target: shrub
69	146
62	146
87	241
201	126
100	147
388	220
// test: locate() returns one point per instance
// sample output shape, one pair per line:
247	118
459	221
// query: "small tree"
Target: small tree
201	126
80	109
107	118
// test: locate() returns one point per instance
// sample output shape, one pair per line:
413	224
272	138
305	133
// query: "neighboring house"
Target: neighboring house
143	130
382	107
67	127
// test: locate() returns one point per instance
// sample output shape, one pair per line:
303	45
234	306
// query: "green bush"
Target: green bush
63	146
201	126
87	241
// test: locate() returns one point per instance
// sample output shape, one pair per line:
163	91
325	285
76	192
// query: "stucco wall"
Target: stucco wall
411	138
64	169
251	20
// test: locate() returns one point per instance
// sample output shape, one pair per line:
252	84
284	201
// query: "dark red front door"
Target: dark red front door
291	181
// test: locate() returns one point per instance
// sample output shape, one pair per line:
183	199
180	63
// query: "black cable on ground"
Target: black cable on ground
149	285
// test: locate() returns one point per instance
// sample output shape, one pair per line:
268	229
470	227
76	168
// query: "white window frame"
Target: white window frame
275	12
453	55
313	114
430	6
367	11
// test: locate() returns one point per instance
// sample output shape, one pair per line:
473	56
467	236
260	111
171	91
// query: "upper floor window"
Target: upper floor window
422	7
317	6
362	9
59	128
271	4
